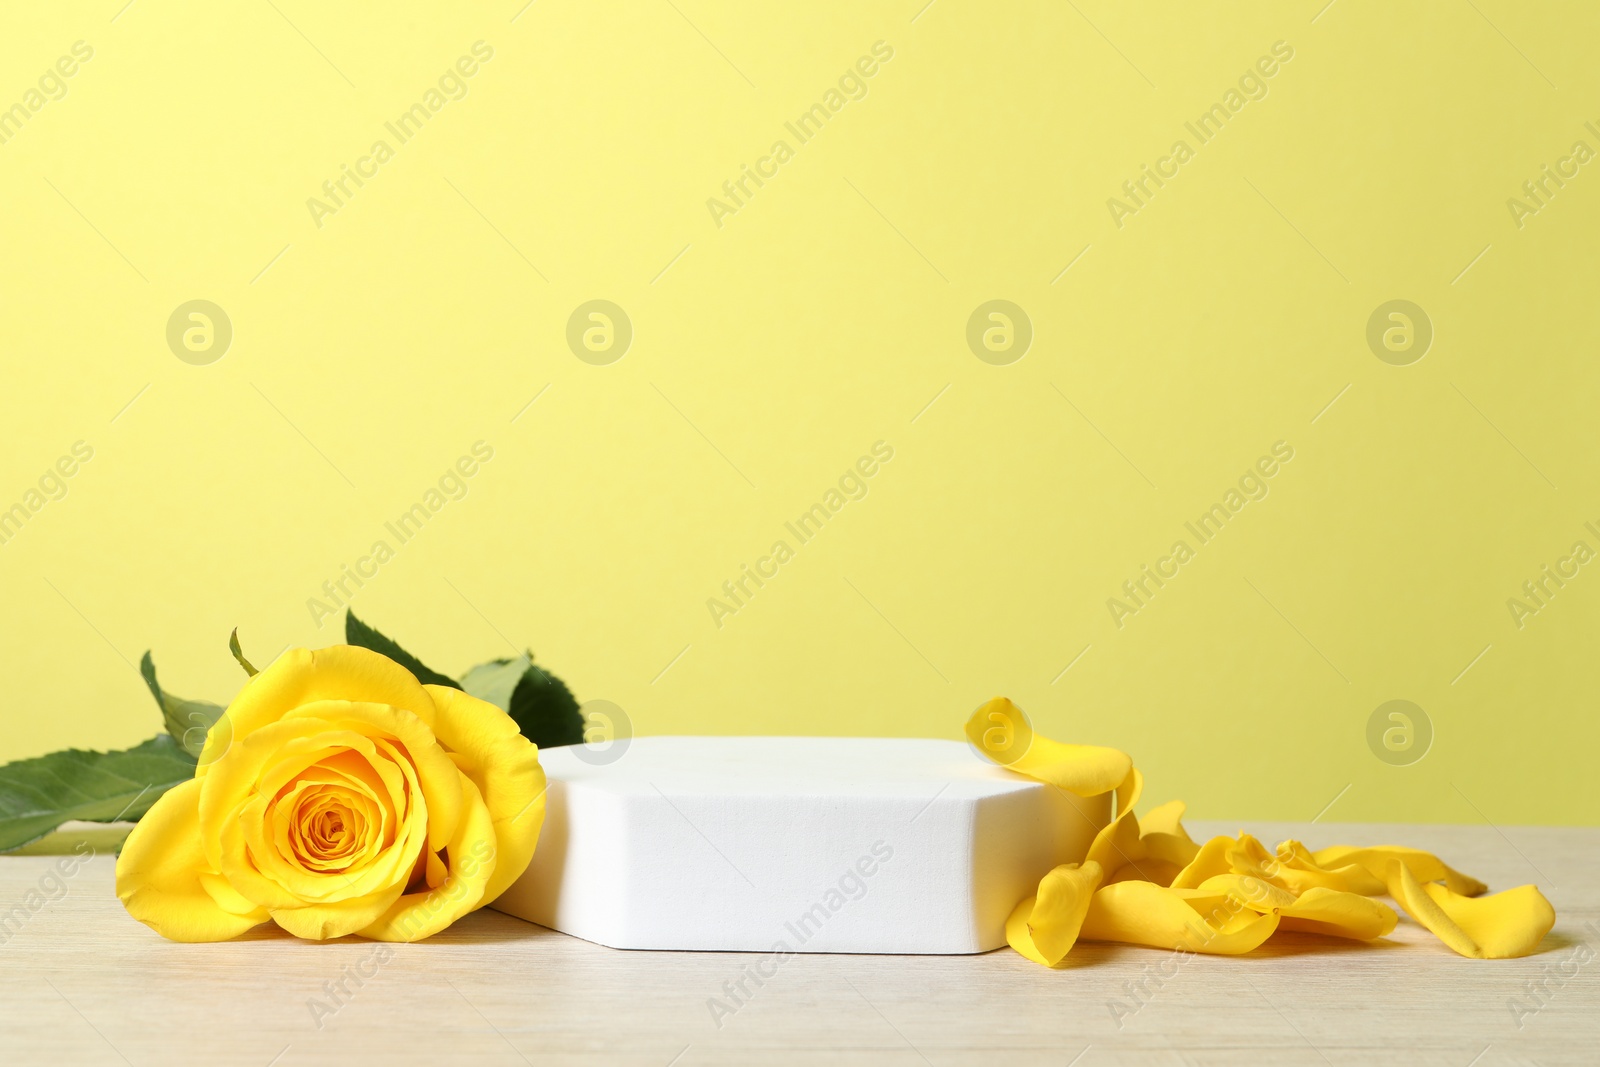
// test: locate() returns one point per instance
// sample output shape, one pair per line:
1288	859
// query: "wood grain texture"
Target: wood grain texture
83	984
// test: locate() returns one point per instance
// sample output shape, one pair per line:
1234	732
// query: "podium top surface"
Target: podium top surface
781	766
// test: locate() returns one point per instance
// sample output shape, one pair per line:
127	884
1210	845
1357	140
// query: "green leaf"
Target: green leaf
38	795
497	680
359	633
187	720
545	710
542	706
238	654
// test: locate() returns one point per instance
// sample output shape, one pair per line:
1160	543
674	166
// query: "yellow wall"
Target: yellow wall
1226	314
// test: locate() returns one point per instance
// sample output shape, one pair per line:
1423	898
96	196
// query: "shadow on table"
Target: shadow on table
483	927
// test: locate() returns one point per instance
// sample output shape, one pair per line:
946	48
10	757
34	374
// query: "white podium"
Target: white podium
797	844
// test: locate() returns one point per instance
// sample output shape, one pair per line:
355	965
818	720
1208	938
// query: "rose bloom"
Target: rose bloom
339	796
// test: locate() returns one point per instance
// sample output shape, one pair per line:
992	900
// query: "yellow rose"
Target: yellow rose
339	796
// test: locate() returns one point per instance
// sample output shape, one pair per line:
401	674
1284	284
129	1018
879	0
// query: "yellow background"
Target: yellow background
822	317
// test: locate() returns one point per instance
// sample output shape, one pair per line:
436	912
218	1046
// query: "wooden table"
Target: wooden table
83	984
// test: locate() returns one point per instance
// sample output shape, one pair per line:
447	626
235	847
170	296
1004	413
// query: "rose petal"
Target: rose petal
1210	861
1017	935
320	922
1048	926
1143	913
1503	926
300	677
367	874
471	856
1162	834
1424	866
487	746
1339	914
1229	894
1118	850
1087	770
233	810
435	772
158	874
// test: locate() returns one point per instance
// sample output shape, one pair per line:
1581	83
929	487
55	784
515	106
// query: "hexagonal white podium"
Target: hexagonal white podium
814	844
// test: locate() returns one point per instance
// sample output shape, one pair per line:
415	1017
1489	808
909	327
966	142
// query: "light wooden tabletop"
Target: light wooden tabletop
83	984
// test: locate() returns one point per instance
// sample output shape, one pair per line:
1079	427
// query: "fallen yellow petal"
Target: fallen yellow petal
1210	860
1017	935
1255	893
1001	732
1339	914
1164	838
1301	869
1147	882
1057	910
1142	913
1503	926
1117	847
1424	866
